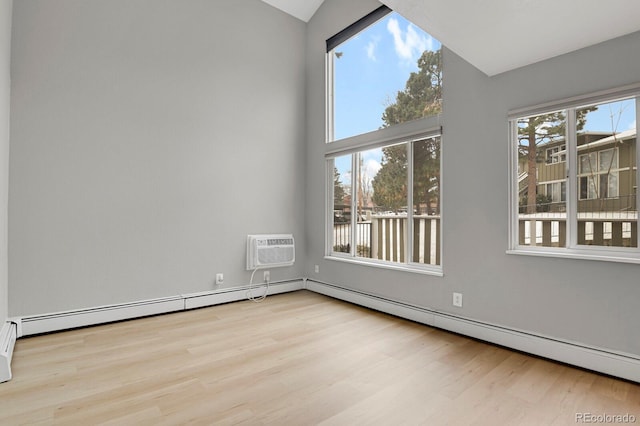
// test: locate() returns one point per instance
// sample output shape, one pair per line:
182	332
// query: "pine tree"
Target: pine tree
421	97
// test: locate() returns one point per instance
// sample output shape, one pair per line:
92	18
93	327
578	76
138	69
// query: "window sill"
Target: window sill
411	268
599	255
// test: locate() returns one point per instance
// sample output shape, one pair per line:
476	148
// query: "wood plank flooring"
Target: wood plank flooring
295	359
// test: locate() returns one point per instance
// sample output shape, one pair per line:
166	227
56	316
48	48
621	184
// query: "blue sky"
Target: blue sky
373	66
615	116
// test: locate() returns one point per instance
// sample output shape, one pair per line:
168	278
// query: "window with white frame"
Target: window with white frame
386	203
574	177
556	154
383	149
382	70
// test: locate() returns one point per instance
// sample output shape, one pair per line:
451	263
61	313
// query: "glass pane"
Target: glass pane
369	163
389	73
426	201
608	160
613	185
388	201
588	163
542	180
341	236
606	143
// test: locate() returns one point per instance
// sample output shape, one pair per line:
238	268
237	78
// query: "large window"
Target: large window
384	97
386	204
383	70
574	178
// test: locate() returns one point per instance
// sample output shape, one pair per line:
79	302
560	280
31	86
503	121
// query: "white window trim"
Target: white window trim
408	132
573	249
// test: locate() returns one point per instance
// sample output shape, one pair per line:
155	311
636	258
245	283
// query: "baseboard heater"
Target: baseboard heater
623	365
8	335
46	323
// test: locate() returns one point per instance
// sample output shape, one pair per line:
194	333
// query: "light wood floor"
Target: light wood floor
294	359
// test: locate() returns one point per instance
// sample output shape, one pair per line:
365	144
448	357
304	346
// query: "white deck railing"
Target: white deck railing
384	237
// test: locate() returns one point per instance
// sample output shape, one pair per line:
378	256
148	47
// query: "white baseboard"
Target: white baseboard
57	321
614	363
617	364
8	335
37	324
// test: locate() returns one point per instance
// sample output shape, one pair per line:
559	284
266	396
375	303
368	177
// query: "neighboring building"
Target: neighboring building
606	190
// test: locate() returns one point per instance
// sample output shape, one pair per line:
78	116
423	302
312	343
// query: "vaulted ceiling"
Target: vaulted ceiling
500	35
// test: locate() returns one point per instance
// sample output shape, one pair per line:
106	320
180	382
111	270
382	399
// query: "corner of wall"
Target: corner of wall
6	7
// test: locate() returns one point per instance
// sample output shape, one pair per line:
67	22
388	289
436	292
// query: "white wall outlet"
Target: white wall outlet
457	300
317	269
219	279
267	276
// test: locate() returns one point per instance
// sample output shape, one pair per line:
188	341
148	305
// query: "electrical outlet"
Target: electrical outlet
317	269
267	276
219	279
457	300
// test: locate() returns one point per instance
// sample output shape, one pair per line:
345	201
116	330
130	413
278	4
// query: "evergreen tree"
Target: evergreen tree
538	130
421	97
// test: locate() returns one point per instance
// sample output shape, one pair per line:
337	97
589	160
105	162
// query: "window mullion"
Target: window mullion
637	99
572	179
408	249
513	186
355	164
329	200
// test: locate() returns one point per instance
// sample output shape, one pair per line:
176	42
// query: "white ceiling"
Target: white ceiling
500	35
301	9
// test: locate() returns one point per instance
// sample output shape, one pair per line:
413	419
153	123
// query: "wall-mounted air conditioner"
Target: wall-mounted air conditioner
270	250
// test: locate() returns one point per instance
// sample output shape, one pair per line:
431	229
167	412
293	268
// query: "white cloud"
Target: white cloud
372	167
371	50
409	44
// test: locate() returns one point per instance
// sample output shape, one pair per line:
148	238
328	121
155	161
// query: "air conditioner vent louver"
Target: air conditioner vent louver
270	250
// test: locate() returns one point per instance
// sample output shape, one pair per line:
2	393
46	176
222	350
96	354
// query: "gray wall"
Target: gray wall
148	138
5	85
585	301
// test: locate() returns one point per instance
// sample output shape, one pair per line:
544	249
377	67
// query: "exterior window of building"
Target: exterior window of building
574	178
598	177
384	99
557	192
556	154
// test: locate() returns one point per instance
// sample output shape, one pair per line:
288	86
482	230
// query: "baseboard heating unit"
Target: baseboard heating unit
8	335
626	366
46	323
